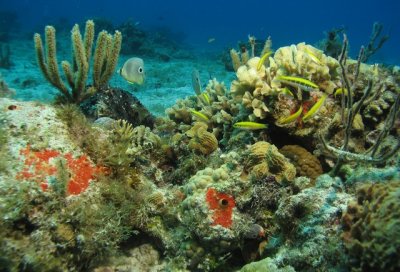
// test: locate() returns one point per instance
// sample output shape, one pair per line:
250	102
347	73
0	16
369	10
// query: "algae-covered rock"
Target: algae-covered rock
266	264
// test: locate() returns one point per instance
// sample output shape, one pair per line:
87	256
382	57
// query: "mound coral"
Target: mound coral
306	163
264	160
372	227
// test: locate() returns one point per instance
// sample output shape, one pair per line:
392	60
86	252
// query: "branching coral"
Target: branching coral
105	60
374	46
349	113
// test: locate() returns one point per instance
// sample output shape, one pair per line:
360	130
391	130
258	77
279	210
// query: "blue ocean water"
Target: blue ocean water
287	22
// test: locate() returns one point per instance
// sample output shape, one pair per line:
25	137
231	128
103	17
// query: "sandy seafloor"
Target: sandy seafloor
165	81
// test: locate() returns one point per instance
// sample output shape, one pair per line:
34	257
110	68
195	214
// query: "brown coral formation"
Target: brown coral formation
264	159
372	227
202	140
306	163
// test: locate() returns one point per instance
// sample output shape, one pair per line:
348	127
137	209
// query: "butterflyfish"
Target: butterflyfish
196	81
133	71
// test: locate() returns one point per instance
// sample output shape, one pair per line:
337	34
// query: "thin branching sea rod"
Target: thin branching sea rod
350	108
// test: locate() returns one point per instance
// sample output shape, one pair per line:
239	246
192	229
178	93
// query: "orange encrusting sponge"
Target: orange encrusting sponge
39	166
222	205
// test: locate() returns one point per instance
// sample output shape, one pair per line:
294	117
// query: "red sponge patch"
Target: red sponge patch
222	205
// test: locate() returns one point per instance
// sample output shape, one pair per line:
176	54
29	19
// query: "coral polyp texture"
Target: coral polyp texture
265	172
371	227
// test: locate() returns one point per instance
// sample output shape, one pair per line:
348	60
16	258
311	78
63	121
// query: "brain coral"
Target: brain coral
264	159
306	163
372	227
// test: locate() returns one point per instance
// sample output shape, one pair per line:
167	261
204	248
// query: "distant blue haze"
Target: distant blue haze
287	22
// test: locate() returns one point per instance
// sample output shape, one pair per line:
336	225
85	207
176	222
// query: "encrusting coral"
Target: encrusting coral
105	60
372	227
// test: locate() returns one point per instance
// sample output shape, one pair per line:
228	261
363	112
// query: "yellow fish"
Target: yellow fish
249	125
262	60
315	108
205	98
133	71
200	115
340	91
291	118
298	82
313	57
287	92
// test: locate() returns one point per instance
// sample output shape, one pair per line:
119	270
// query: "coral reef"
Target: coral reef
349	120
307	165
371	227
117	104
264	159
331	45
202	140
231	179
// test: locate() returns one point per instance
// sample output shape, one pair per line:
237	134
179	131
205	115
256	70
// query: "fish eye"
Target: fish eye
140	70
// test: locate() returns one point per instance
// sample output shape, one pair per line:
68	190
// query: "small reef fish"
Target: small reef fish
249	125
196	81
313	57
255	231
291	118
340	91
205	98
133	71
298	82
200	115
262	60
287	92
211	40
314	108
